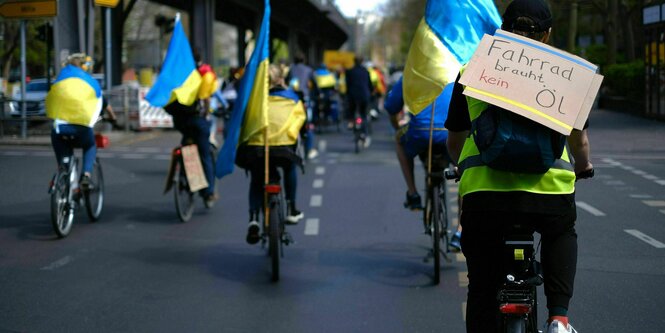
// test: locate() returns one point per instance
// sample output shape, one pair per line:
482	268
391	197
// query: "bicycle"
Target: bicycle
517	296
273	227
435	212
359	136
66	194
182	193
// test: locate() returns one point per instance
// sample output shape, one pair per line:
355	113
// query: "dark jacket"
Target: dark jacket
358	84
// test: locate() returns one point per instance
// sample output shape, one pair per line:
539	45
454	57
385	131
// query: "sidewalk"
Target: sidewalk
117	138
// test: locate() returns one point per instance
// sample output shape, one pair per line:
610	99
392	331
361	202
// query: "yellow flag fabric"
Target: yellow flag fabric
188	92
256	116
429	67
285	119
75	97
208	82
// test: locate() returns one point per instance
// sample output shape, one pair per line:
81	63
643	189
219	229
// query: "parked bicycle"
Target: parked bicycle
274	232
67	196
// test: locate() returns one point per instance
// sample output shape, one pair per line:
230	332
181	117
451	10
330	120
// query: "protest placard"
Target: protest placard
535	80
193	168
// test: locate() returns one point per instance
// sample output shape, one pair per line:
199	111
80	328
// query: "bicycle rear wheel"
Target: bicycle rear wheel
514	324
274	236
184	199
94	195
435	225
62	212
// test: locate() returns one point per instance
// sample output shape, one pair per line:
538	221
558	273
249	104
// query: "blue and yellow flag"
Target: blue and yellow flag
445	40
252	102
287	115
75	97
178	79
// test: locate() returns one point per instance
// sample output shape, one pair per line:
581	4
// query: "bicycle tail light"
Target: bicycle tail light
359	121
273	189
515	308
101	141
177	152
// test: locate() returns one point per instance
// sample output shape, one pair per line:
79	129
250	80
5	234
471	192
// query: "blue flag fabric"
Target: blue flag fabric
444	41
178	79
247	85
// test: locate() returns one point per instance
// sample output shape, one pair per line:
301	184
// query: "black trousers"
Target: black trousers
482	243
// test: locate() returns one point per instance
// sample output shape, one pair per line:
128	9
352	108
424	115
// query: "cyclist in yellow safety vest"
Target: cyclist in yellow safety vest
494	200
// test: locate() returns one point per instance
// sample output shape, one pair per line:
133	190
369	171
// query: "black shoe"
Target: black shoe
253	232
413	202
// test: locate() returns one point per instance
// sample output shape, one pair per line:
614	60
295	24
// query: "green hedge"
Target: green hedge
625	79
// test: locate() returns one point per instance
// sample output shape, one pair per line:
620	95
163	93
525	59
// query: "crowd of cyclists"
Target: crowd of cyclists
302	98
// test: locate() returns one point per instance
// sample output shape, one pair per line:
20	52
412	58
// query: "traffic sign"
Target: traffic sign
29	9
107	3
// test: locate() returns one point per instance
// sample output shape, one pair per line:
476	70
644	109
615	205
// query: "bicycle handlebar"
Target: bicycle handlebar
586	174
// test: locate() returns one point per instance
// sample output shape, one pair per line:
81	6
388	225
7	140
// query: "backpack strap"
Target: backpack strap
476	161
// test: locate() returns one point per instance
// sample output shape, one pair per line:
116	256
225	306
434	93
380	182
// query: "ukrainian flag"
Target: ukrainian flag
75	97
208	81
287	115
252	102
178	79
444	41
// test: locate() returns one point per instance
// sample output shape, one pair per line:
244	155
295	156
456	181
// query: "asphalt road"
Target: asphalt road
357	264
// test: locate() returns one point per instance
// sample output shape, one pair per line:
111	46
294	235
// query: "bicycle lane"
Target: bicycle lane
367	244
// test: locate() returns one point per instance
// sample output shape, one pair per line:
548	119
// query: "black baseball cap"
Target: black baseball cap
537	10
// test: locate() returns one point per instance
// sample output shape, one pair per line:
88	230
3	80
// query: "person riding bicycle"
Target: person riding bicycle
323	92
495	200
358	91
286	117
75	103
192	122
412	139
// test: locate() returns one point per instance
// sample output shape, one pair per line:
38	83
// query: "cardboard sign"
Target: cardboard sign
532	79
193	169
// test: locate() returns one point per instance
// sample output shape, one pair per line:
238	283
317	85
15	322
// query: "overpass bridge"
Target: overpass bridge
310	26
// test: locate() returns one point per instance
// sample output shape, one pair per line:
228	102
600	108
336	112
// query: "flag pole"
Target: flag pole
266	178
429	156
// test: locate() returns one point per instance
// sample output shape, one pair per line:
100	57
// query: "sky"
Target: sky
350	7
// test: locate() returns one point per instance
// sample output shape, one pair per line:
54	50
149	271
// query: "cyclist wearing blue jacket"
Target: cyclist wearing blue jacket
412	139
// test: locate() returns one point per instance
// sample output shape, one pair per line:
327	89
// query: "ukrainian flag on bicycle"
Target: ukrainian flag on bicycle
178	79
250	111
75	97
444	41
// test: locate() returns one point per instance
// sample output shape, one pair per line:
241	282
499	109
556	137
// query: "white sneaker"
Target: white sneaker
557	327
313	153
367	142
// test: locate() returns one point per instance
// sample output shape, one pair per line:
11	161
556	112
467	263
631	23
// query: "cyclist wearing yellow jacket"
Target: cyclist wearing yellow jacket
493	200
286	116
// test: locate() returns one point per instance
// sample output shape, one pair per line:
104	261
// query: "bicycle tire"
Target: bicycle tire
444	217
435	225
532	320
94	195
514	324
184	198
358	142
62	214
274	236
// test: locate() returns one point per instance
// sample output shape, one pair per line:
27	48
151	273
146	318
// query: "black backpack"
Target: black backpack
176	109
510	142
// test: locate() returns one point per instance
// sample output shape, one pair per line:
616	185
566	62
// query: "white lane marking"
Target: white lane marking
312	227
645	238
662	211
639	172
650	177
316	200
106	155
58	263
627	167
133	156
15	153
640	196
611	161
591	210
318	183
320	170
323	144
148	150
654	203
660	182
614	183
42	153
